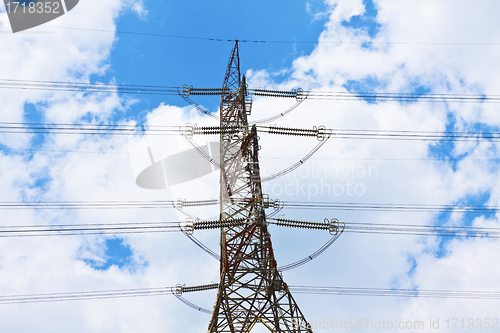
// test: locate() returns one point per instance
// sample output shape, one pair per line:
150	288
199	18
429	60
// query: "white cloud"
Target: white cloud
139	8
373	261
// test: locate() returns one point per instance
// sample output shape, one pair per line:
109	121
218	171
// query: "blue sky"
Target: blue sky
174	61
171	61
352	45
177	61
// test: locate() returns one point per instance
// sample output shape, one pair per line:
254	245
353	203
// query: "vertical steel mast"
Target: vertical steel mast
251	289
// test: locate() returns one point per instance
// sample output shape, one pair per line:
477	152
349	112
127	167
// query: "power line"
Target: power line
105	204
88	205
403	97
85	295
88	129
88	87
263	157
111	129
175	226
85	87
346	291
316	205
312	290
391	228
262	41
420	230
373	96
89	229
383	134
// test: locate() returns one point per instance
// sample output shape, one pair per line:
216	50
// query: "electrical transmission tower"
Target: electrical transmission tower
251	289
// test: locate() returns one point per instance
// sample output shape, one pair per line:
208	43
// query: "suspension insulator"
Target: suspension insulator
265	200
189	130
277	204
179	204
188	226
178	289
322	133
186	90
248	105
300	94
334	226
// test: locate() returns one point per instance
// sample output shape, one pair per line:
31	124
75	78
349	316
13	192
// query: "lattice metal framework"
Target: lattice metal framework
251	289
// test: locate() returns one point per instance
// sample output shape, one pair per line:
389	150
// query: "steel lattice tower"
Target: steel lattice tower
251	289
